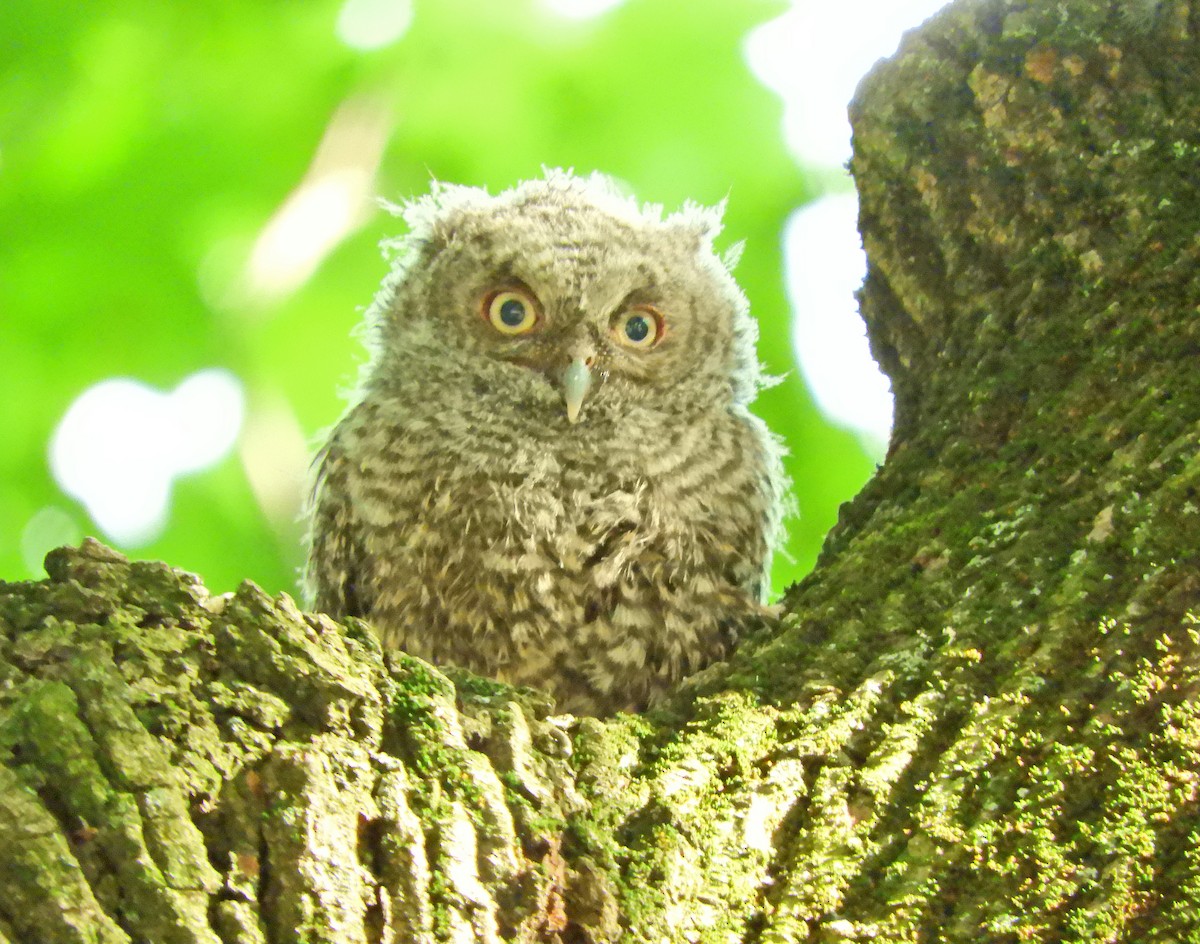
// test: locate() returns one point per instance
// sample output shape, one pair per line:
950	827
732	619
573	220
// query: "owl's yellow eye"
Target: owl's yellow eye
639	328
511	311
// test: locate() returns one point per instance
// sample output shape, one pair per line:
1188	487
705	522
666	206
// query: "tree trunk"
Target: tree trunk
978	721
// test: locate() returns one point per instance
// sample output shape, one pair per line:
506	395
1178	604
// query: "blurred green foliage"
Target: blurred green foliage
144	146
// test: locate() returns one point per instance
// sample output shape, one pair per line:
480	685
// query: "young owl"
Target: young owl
549	474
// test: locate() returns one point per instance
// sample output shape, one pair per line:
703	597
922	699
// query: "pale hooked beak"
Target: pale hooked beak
576	382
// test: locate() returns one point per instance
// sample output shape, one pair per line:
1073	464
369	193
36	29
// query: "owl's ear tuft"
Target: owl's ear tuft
419	215
699	224
733	255
432	220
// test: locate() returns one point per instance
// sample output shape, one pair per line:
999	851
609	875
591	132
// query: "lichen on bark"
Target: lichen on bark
179	767
977	721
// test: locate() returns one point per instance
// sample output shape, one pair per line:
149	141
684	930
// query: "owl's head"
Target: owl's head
569	296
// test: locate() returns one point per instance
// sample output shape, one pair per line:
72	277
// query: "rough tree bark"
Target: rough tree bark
978	723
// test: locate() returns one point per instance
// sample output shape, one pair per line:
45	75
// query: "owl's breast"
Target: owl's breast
514	553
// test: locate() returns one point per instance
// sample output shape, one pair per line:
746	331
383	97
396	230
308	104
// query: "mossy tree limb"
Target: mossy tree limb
978	721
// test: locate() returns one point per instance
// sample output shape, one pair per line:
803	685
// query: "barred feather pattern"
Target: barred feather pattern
459	509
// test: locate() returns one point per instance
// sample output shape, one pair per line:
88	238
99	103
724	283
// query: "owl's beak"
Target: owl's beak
576	382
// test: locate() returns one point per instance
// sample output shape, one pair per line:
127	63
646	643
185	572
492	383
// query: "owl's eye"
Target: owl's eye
639	328
511	311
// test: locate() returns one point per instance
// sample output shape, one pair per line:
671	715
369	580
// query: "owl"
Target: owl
549	473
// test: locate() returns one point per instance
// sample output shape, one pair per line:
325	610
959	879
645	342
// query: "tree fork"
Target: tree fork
977	722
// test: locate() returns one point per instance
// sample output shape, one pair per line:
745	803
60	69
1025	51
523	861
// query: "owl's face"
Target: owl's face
562	295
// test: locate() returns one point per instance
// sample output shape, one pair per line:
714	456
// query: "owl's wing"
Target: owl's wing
336	574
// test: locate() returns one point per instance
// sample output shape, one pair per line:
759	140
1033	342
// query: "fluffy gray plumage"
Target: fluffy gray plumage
549	474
